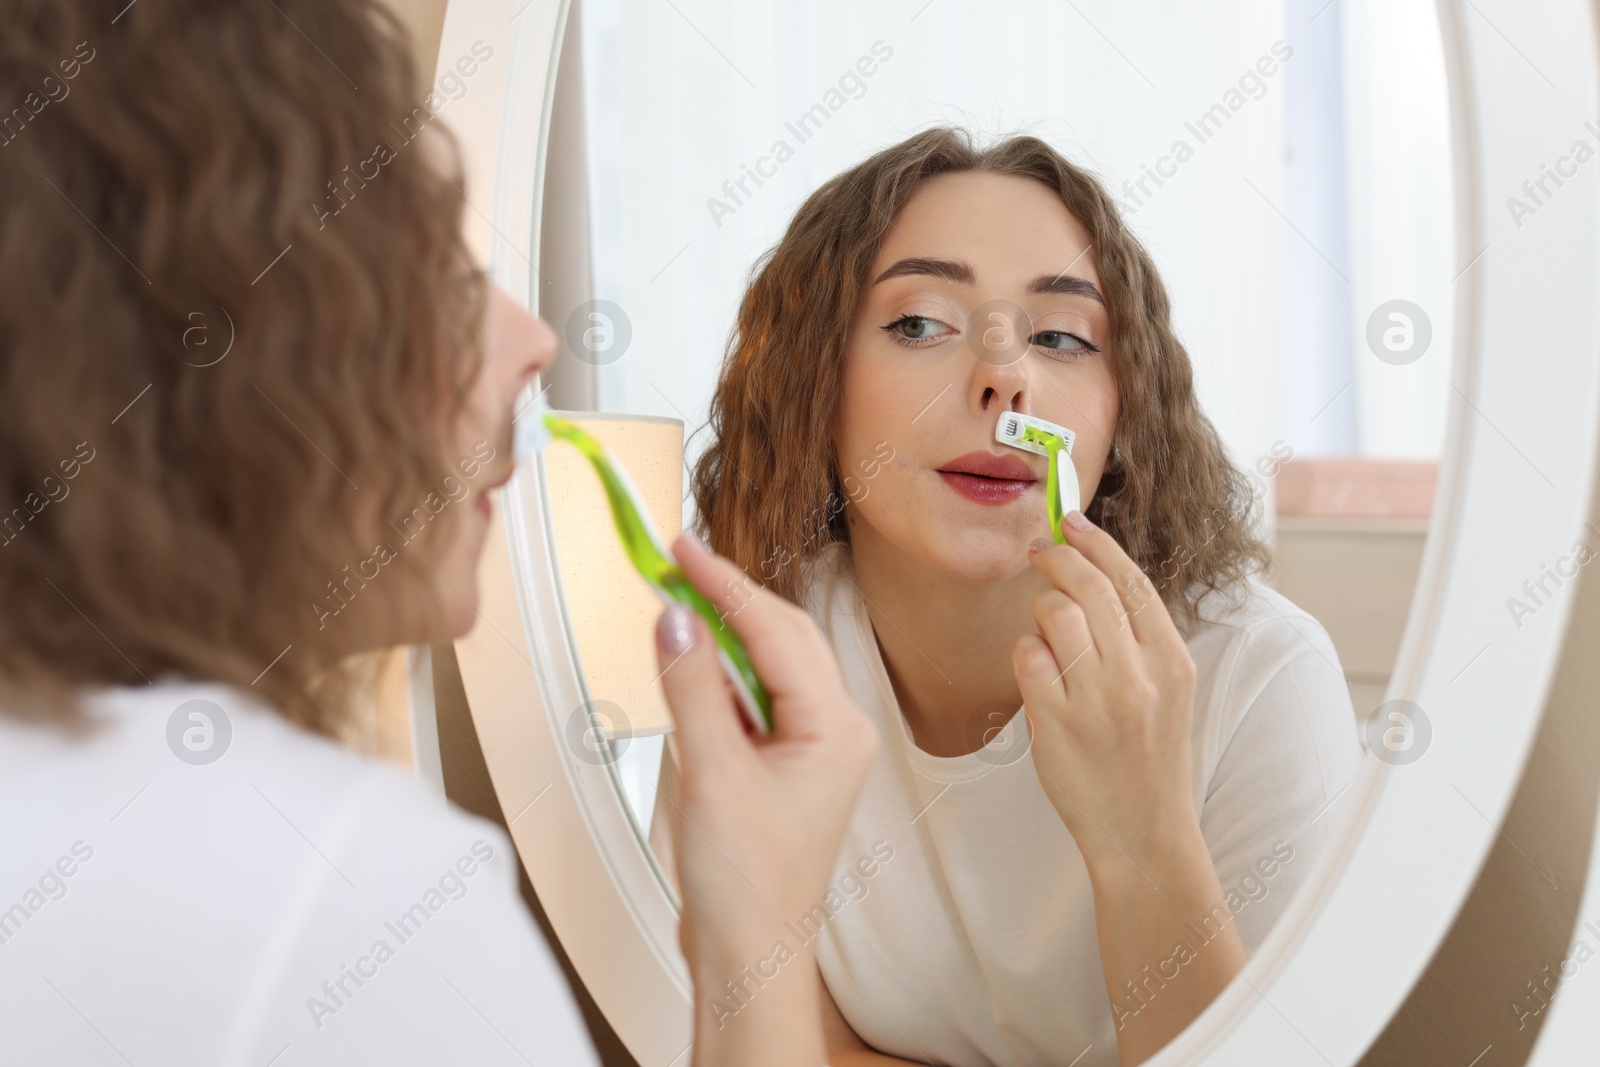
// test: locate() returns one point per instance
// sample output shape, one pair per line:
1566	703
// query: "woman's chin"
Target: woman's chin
983	555
950	540
458	613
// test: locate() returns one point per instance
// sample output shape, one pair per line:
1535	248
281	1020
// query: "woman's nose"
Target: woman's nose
999	337
521	343
996	399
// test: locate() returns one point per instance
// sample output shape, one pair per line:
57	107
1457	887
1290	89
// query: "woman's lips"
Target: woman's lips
985	478
985	490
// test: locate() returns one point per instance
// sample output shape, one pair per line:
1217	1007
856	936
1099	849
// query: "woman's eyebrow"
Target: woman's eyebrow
947	269
954	271
1065	285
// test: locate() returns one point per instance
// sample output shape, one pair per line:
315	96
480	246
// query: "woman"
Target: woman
254	404
1082	879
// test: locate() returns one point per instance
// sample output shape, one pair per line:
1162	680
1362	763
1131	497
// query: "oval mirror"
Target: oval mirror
1375	225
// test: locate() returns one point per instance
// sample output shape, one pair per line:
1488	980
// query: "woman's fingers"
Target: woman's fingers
1072	573
708	725
786	649
1039	678
1142	608
766	622
1066	630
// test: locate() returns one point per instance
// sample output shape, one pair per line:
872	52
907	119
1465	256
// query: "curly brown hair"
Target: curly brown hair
1172	499
200	358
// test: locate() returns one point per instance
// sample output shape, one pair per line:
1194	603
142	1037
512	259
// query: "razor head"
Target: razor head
529	434
1031	433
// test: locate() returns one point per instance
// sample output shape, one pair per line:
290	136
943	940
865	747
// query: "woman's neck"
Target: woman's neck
946	643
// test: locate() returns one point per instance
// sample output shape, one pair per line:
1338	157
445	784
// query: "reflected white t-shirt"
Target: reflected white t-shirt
288	903
962	932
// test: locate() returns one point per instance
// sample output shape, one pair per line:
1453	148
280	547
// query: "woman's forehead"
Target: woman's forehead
1002	227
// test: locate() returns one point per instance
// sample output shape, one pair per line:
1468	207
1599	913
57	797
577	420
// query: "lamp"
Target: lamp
611	610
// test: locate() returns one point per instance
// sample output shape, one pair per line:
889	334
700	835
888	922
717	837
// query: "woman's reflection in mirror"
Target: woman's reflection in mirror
1105	764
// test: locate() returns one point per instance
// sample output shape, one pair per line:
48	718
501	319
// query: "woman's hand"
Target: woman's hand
1109	693
757	821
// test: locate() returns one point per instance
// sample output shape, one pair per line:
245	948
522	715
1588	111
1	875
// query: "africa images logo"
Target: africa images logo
199	732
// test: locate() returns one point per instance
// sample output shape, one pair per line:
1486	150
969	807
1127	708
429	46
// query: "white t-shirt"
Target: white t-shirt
961	930
288	903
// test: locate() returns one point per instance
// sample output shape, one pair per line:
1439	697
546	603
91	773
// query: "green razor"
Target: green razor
1033	434
649	557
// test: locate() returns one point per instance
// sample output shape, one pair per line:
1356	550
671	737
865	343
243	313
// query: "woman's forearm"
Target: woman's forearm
777	1023
1168	944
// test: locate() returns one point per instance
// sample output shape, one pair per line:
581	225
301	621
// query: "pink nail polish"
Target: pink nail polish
675	630
1077	520
1038	543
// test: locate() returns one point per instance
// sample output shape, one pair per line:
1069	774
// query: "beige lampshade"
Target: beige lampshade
612	610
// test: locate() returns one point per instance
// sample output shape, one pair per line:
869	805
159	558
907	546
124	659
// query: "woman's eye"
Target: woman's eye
1063	342
916	328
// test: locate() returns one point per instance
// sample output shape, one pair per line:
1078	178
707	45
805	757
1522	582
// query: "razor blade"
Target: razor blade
1033	434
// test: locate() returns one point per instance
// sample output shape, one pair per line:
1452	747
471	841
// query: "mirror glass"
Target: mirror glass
1287	167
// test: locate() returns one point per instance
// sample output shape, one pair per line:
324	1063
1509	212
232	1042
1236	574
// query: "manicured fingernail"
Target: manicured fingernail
695	543
1038	543
675	630
1077	520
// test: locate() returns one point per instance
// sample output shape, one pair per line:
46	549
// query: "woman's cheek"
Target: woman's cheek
878	502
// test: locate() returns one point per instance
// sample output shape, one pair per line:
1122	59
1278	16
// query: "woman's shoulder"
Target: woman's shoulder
261	863
1276	743
219	743
1264	662
1248	638
1251	616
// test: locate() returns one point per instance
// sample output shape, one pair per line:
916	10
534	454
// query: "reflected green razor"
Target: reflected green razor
650	558
1033	434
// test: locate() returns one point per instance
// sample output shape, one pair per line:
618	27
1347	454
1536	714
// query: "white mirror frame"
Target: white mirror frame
1513	494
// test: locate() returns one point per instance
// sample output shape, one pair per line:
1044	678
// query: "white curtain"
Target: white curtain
1402	215
687	95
